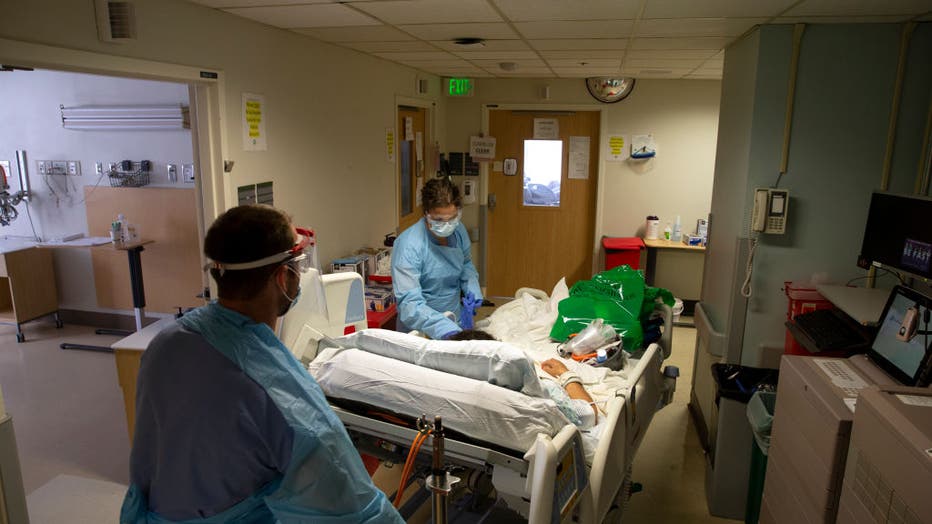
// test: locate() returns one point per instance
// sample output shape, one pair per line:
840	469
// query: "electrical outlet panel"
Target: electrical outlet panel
99	168
58	167
172	173
187	173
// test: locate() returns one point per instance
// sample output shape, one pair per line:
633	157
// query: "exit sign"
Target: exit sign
458	86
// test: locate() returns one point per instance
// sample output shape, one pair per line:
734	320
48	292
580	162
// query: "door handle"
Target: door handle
492	201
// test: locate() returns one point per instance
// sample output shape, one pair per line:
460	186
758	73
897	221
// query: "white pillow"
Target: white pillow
490	361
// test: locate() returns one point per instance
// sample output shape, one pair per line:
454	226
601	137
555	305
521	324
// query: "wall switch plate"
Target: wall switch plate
42	167
99	168
172	173
187	173
74	168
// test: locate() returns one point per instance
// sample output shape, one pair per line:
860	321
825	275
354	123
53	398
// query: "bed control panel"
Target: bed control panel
571	481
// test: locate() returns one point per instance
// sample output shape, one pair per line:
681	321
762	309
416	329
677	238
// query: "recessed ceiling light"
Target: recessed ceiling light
508	66
469	42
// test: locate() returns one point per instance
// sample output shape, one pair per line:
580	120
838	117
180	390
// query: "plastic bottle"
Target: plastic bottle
677	230
117	229
667	232
652	231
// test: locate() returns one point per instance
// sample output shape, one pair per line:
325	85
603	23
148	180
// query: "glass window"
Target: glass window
543	169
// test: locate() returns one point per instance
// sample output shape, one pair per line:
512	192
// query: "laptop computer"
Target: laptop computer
901	346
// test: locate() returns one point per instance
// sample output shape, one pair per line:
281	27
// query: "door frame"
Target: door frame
213	194
484	176
430	136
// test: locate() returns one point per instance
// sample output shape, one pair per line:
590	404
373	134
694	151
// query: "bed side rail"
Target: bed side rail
557	478
666	339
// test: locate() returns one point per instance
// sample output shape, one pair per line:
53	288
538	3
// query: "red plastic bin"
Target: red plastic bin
802	298
622	250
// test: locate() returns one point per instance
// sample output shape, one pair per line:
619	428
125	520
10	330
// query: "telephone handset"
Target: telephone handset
769	215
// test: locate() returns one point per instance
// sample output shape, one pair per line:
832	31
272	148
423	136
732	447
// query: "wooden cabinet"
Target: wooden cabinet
27	287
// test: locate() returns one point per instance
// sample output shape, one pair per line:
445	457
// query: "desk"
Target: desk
133	254
677	267
863	304
27	285
127	354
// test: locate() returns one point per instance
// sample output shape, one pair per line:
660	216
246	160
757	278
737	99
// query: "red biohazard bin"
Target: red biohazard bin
622	250
802	298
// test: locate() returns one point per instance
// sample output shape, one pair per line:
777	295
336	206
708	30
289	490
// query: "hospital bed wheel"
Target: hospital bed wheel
20	338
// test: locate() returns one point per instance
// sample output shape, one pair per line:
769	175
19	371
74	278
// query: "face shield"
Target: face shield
302	258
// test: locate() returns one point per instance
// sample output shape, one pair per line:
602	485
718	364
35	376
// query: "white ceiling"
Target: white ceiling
557	38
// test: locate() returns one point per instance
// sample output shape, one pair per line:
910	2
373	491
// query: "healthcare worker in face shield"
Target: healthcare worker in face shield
229	426
432	266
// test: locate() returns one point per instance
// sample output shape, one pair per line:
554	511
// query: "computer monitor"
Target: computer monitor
898	235
901	346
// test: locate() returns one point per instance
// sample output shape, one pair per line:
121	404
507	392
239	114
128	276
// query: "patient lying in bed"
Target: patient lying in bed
488	390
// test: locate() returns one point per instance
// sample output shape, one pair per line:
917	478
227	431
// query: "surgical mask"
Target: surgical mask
443	228
291	301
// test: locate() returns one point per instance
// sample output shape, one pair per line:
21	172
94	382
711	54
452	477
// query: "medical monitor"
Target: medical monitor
898	234
902	344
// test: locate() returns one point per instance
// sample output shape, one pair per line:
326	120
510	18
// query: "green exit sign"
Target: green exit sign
458	86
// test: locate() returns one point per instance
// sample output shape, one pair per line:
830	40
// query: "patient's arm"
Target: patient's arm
575	390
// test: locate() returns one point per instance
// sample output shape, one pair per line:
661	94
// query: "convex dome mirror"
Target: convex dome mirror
609	90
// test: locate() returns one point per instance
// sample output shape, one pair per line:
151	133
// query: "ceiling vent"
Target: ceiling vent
116	21
469	42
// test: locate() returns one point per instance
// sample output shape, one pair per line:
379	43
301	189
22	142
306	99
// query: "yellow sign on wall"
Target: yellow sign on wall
254	118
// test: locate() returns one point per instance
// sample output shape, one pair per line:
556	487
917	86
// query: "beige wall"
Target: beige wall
327	107
681	114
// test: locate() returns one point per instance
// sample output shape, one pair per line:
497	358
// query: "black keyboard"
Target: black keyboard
828	331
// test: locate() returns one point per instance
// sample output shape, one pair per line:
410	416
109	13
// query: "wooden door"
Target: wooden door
534	245
410	164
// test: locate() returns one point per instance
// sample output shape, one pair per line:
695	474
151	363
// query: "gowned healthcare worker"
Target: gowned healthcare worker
229	426
432	265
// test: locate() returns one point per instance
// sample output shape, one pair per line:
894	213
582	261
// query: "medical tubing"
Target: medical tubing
409	465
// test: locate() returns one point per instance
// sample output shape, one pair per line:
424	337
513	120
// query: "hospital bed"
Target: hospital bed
551	473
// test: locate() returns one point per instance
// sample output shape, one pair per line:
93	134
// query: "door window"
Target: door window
543	170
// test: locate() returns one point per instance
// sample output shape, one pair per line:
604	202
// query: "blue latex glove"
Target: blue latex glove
470	305
448	335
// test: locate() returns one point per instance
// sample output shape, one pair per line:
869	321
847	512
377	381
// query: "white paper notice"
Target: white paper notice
916	400
615	148
409	128
390	144
482	148
254	117
419	146
579	157
546	129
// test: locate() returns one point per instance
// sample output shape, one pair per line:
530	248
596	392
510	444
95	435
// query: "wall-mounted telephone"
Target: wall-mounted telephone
769	215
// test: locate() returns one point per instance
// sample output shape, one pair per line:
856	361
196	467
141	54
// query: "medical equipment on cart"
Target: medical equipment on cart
540	465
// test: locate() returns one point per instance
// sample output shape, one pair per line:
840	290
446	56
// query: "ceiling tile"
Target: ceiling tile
416	56
390	47
672	54
636	64
398	12
861	8
531	72
702	42
587	29
225	4
598	63
494	31
579	43
490	45
523	10
371	33
311	15
715	8
578	72
657	73
577	54
496	55
522	64
696	26
876	19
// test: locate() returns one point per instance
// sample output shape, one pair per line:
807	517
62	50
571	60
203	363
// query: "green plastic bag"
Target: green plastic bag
618	296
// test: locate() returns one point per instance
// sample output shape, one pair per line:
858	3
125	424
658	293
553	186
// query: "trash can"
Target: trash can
728	466
622	250
760	416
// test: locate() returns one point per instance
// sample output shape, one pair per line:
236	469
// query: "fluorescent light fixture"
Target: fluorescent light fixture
143	117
